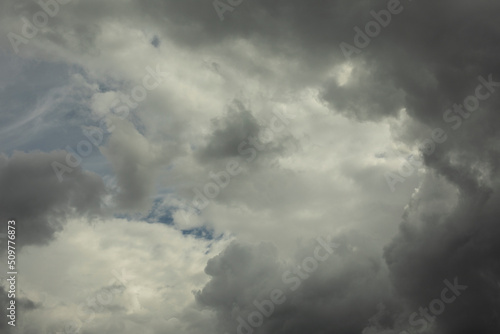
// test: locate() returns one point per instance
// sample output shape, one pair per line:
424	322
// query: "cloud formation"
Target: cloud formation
433	67
40	204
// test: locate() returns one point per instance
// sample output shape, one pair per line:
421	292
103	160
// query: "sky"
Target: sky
250	166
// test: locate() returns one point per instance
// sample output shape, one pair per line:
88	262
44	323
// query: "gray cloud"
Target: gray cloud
434	245
229	133
136	163
40	204
339	296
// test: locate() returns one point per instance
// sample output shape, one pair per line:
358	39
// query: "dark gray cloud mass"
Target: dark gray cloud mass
337	296
34	197
229	133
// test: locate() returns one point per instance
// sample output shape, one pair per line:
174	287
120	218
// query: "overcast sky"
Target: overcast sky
251	166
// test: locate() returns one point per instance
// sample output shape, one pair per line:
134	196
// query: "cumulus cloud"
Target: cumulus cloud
38	201
229	133
318	289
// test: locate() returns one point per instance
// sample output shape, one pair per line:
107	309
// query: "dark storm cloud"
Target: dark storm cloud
427	55
463	244
338	296
241	137
229	133
364	97
314	24
33	196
